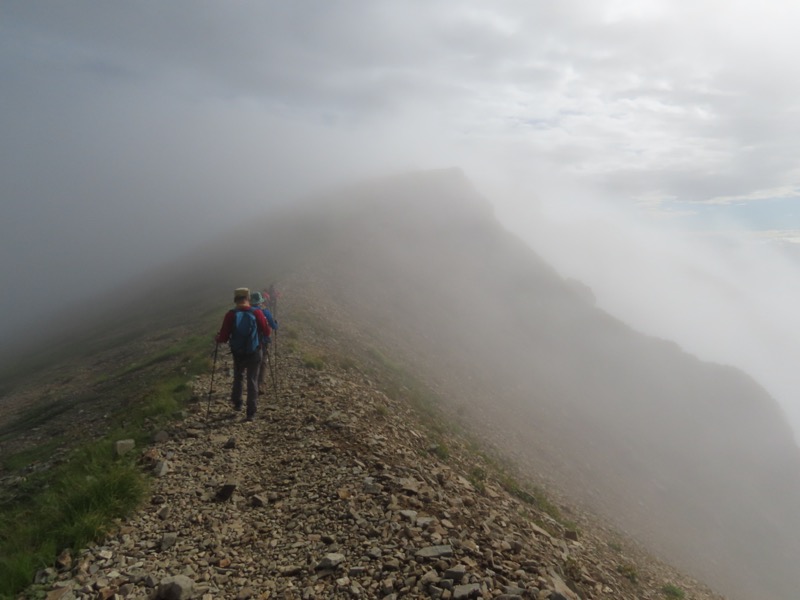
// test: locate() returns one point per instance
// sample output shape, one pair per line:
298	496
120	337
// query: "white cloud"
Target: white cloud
792	191
116	112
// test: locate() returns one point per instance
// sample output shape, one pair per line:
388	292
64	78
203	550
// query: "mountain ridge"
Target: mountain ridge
420	273
340	489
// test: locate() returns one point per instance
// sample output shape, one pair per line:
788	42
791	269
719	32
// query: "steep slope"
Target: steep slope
694	457
338	491
414	272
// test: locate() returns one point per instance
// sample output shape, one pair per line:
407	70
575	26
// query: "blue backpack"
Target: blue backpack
244	334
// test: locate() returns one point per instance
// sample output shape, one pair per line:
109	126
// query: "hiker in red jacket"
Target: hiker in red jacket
244	327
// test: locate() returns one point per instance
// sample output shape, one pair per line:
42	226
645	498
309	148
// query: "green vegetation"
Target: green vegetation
477	474
629	572
441	451
530	495
616	546
69	502
313	362
79	503
672	591
477	477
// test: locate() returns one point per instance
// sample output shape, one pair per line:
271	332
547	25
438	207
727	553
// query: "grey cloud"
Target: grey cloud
134	130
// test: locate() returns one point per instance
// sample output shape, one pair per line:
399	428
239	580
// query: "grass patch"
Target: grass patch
82	498
77	498
530	495
441	451
313	362
629	572
672	591
477	477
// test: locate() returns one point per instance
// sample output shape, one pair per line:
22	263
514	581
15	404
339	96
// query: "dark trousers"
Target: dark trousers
246	365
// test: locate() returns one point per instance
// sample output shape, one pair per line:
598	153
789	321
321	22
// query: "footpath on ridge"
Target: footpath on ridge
335	491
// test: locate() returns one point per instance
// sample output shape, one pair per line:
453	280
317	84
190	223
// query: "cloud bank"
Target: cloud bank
133	131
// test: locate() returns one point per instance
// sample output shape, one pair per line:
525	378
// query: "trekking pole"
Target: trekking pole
272	375
211	387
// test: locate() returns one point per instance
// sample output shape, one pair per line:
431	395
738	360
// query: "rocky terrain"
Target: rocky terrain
338	490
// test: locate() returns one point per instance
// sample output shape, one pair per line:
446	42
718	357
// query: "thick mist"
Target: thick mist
725	296
645	148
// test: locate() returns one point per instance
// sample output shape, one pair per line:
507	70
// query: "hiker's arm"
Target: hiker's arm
225	330
263	326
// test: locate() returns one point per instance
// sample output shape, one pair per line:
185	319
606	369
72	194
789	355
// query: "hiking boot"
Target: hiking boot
249	418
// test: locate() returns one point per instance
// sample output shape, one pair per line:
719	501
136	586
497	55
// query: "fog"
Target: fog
726	296
646	148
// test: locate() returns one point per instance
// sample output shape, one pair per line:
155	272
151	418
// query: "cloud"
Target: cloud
768	194
131	131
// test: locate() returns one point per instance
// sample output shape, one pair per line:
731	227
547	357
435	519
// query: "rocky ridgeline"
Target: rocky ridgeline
334	492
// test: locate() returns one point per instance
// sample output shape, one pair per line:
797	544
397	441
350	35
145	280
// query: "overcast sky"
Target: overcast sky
648	147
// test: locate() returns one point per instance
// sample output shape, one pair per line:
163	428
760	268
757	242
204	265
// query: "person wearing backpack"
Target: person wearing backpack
244	327
257	300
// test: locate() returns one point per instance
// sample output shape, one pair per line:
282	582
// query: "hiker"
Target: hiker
244	327
257	300
272	295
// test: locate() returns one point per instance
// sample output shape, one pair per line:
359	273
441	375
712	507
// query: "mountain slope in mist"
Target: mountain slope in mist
694	458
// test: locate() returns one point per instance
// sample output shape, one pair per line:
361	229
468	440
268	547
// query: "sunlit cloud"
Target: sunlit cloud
767	194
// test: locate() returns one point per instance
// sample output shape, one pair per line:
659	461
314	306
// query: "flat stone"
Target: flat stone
122	447
258	501
178	587
168	540
435	552
455	573
469	590
57	594
429	577
330	561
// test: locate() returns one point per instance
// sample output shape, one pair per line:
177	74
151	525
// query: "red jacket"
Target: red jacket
227	324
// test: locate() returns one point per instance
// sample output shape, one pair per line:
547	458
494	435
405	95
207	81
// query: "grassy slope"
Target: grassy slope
63	411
